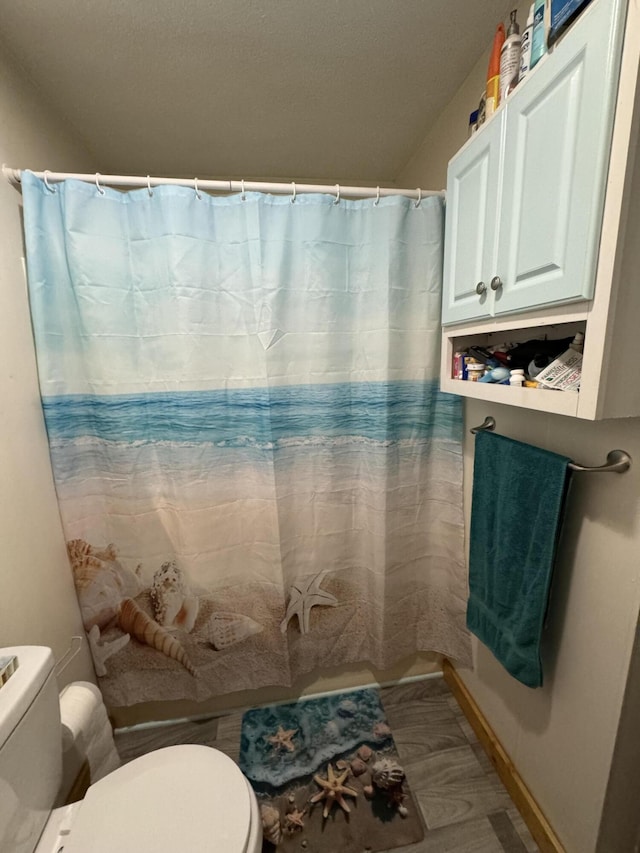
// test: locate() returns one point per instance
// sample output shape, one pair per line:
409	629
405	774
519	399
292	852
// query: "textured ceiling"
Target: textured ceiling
336	89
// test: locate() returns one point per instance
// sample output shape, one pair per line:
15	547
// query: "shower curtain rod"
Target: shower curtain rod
229	186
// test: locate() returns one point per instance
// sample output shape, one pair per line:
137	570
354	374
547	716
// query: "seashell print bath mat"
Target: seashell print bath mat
327	776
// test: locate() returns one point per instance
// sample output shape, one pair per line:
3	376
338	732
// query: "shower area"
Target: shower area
256	472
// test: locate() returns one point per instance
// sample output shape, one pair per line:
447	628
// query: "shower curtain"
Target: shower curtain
256	471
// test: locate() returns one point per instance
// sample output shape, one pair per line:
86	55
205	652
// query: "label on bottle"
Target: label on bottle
509	67
493	95
538	46
525	53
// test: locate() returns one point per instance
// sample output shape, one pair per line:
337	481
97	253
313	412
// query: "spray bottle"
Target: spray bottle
510	58
493	73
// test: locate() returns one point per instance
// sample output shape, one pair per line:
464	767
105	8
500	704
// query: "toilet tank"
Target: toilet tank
30	748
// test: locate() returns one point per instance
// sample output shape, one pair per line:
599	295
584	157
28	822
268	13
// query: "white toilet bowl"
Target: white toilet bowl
181	798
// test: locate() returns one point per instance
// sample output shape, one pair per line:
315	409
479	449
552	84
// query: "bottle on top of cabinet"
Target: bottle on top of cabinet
510	57
539	36
525	51
493	73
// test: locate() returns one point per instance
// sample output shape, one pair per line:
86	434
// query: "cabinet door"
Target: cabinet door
557	141
470	227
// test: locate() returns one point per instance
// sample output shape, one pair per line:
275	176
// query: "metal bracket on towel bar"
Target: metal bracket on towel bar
618	461
487	425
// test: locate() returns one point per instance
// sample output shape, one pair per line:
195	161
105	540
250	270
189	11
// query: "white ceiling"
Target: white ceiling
334	89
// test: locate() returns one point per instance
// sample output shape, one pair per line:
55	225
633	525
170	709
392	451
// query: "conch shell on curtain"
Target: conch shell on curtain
133	620
101	582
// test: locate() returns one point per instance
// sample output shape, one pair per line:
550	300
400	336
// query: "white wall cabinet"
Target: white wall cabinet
525	196
544	202
470	228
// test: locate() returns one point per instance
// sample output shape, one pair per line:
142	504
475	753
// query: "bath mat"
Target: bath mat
327	776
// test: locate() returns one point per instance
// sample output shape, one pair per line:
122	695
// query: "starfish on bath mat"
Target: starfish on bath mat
294	820
283	739
333	791
302	597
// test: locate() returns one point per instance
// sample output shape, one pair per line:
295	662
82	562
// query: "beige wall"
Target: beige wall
38	603
561	737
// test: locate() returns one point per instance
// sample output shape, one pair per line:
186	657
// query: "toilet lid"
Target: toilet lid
181	798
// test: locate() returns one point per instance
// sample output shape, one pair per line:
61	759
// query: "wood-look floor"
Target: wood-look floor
464	804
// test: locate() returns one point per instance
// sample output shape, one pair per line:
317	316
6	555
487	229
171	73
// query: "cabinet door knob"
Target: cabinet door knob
481	288
496	282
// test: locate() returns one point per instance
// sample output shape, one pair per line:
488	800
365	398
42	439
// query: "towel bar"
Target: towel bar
618	461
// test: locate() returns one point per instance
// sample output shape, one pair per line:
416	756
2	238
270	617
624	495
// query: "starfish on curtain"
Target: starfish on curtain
102	651
302	597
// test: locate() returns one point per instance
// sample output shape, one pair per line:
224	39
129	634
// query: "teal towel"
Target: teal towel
518	496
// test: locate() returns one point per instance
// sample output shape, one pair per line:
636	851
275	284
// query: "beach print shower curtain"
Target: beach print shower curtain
256	471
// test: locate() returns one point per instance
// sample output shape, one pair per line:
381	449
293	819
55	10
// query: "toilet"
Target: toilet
181	798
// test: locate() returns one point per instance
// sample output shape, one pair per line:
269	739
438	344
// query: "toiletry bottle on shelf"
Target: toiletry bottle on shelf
510	57
525	50
474	370
493	73
458	365
577	343
538	38
517	377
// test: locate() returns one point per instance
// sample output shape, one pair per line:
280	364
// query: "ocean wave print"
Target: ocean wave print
384	412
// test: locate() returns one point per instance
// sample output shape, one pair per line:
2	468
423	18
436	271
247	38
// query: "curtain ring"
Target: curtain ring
337	201
195	186
99	188
243	195
377	201
149	190
293	197
47	184
419	191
